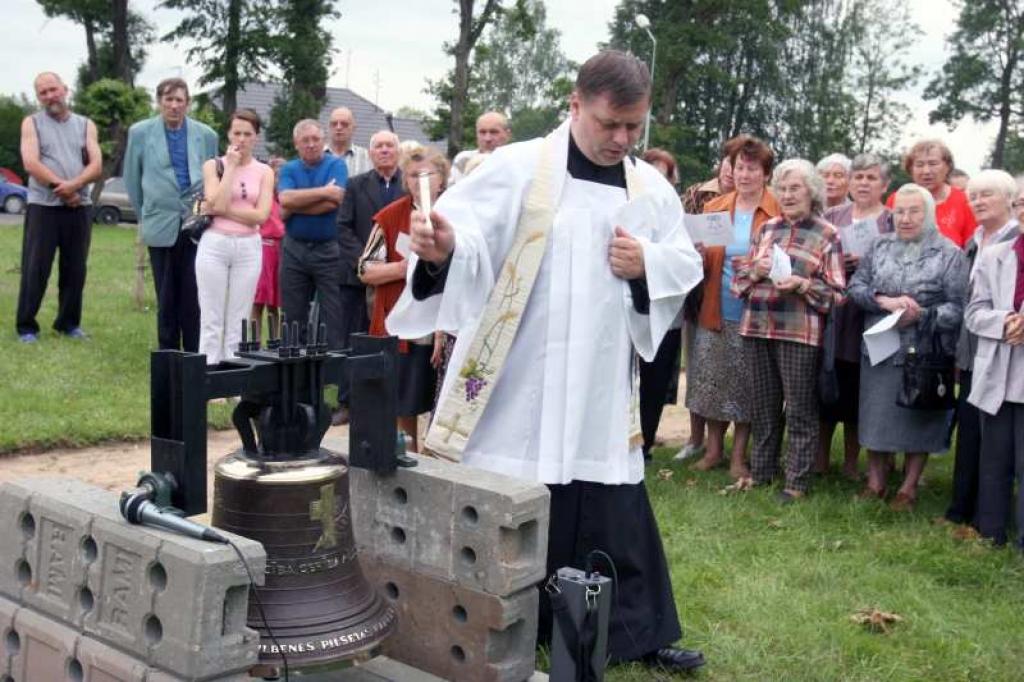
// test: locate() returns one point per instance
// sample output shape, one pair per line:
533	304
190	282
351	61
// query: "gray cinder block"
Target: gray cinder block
475	528
458	633
172	602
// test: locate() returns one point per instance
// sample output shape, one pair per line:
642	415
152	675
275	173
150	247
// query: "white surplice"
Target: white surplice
560	406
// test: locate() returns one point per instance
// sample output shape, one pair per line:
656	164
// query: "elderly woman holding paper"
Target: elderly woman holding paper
788	281
859	223
383	267
718	375
991	193
922	276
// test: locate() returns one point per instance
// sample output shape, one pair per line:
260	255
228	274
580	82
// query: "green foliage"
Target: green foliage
1013	156
97	19
113	105
983	77
290	107
12	113
232	41
518	68
810	77
204	110
304	50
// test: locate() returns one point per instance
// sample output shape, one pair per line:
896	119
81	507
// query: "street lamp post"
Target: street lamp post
643	22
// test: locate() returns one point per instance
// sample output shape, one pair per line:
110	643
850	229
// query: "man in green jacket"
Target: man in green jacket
162	169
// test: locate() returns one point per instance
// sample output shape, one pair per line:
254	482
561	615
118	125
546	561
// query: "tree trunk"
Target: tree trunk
122	61
1005	102
229	92
469	33
460	82
92	59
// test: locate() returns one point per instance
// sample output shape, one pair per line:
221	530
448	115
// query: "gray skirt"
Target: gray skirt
884	426
718	378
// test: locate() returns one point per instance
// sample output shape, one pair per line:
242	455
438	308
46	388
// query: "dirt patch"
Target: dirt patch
116	466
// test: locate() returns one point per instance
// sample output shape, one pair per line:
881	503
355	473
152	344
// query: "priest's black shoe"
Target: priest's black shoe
675	660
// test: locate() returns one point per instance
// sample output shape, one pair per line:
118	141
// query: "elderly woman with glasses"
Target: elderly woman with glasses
869	178
992	193
782	323
921	273
387	276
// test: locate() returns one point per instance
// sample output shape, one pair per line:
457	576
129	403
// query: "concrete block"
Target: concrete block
17	527
458	633
478	529
172	602
102	663
47	649
10	641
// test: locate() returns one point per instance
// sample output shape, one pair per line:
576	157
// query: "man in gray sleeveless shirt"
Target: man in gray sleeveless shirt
61	153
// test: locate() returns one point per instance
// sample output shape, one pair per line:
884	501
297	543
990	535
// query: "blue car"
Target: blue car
13	197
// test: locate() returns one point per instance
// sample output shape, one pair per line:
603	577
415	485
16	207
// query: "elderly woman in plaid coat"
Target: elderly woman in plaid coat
782	323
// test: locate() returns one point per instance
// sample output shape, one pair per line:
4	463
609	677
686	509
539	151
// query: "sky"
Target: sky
387	58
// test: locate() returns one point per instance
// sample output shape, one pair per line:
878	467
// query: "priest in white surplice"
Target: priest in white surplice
556	263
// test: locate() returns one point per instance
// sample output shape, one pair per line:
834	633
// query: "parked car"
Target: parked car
10	176
13	197
114	206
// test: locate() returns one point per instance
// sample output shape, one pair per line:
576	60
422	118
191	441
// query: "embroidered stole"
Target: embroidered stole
460	407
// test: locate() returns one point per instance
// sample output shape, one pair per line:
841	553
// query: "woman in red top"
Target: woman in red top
929	163
416	377
268	288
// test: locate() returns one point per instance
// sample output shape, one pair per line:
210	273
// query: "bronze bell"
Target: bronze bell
317	602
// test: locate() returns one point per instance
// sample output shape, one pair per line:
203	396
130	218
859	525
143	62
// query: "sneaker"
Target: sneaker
28	338
689	450
76	333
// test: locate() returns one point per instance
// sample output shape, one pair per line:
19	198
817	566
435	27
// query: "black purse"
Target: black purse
197	222
828	380
927	374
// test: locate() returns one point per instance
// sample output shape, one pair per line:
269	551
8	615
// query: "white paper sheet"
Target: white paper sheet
882	338
782	267
857	238
402	244
711	229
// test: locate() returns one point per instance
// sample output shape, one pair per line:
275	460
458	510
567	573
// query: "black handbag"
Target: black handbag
927	374
196	222
828	380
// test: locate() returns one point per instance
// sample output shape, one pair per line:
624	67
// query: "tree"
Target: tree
113	106
984	74
12	112
453	92
230	40
106	57
518	64
880	72
303	53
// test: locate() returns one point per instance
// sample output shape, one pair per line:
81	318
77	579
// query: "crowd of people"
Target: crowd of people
772	337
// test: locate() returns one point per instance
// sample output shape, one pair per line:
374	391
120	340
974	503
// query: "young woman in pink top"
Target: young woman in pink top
229	257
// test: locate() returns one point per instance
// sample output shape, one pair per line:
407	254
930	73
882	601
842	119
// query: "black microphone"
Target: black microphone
136	509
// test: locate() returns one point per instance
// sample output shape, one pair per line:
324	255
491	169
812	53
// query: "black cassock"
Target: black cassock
618	520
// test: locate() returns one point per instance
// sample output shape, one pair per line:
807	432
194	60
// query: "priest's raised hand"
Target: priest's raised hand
433	240
626	255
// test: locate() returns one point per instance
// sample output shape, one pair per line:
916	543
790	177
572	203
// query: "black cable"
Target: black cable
259	607
615	595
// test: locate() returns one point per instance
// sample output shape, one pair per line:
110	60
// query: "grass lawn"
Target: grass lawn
61	392
767	592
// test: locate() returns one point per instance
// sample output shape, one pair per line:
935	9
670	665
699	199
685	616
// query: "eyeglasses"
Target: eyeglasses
1019	203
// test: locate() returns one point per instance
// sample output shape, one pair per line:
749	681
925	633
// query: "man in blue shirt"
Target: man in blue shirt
162	169
311	189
